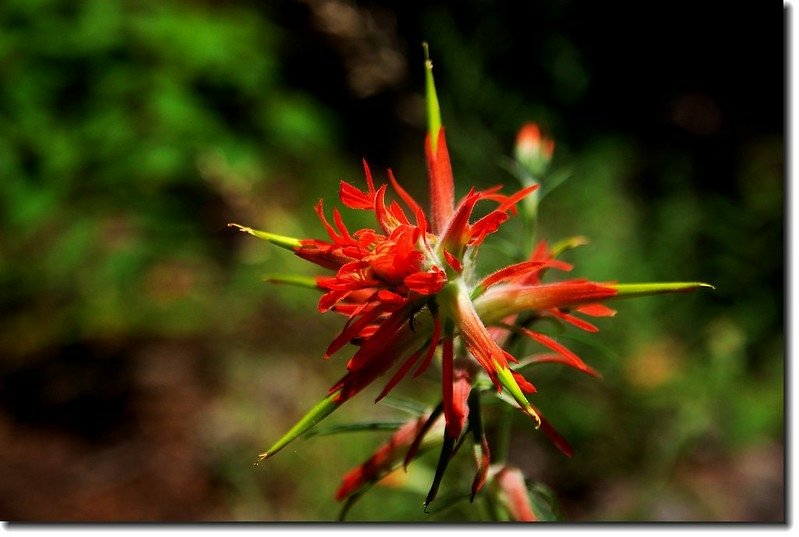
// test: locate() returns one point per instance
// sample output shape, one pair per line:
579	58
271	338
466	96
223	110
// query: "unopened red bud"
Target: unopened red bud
533	150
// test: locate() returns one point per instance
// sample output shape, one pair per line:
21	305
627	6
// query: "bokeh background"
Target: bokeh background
143	361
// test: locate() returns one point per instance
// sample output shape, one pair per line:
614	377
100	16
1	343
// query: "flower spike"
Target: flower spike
407	286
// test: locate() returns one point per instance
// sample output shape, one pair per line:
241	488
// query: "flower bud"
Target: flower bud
508	482
533	150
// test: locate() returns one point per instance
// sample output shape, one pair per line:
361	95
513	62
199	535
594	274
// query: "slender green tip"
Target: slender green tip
292	279
433	109
320	411
289	243
509	383
646	289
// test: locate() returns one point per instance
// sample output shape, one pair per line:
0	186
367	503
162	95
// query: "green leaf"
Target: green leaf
356	427
554	180
319	412
411	406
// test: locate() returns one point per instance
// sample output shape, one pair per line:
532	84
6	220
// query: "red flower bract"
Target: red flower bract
407	288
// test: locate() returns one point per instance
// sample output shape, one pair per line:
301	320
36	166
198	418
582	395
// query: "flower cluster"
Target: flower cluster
410	295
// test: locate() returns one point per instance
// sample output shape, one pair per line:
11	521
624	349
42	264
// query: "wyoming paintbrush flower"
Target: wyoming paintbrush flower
411	296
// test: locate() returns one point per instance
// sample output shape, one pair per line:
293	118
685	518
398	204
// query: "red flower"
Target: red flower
409	286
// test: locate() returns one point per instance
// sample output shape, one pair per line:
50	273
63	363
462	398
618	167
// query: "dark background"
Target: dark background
144	363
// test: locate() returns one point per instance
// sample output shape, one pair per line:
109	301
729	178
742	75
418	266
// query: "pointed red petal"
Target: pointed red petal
597	310
457	233
456	386
353	330
369	182
512	271
486	226
384	217
479	342
407	198
571	359
516	197
331	298
391	341
345	234
523	383
453	262
383	460
397	212
389	297
330	231
426	283
413	449
354	198
575	321
561	443
322	253
442	188
477	339
561	359
398	376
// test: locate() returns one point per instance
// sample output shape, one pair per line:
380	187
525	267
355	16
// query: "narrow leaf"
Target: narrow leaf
355	427
319	412
289	243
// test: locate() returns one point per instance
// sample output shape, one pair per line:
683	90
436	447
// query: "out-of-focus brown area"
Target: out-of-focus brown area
144	363
142	463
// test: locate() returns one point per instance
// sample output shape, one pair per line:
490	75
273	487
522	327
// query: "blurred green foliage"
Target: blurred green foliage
132	132
128	130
